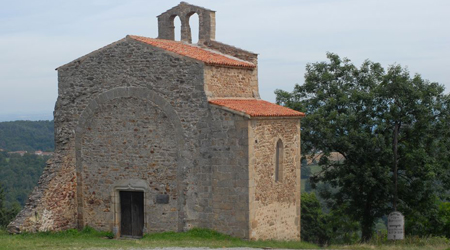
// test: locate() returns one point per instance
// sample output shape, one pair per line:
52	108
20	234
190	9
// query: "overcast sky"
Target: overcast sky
38	36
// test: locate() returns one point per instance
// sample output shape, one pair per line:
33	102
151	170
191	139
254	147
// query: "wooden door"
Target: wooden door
132	213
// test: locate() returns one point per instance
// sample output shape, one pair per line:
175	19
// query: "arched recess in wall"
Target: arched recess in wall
194	24
279	158
177	28
145	94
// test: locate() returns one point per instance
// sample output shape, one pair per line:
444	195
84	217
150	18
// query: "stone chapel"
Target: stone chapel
154	135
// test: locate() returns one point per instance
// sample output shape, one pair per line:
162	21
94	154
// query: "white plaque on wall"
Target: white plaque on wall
396	226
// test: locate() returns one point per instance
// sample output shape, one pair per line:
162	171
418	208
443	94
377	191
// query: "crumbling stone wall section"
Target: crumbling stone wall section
228	149
51	205
274	206
222	82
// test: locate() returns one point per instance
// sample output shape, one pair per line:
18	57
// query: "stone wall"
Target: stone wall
228	149
245	85
223	82
129	139
274	206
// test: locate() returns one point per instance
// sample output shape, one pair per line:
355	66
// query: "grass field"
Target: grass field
90	239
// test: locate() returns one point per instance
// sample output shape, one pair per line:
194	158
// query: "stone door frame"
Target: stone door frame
130	185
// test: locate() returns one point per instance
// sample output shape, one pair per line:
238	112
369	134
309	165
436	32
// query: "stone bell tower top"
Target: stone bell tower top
207	23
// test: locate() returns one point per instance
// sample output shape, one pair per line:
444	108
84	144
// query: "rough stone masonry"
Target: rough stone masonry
180	123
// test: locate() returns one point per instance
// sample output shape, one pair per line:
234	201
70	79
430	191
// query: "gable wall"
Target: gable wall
128	64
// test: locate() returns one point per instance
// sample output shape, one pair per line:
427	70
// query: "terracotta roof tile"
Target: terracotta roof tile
207	56
257	108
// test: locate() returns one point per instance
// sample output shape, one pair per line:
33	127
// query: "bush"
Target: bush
323	228
313	220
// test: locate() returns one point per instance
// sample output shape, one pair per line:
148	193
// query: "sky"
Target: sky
38	36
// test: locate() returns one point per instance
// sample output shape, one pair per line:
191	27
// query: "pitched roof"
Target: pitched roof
209	57
256	108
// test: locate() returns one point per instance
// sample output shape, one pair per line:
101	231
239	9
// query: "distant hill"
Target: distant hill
27	135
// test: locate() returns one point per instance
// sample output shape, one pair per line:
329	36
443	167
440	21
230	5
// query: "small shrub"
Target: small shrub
109	235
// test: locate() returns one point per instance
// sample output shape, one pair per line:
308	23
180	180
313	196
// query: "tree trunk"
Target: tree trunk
367	222
394	149
366	230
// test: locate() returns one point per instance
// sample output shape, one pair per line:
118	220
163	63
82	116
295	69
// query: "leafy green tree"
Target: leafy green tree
325	228
417	111
313	220
356	112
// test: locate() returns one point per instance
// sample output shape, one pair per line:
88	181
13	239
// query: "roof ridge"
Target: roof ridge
232	46
234	98
206	55
220	53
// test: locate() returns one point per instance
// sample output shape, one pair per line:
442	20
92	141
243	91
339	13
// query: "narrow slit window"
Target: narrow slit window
279	162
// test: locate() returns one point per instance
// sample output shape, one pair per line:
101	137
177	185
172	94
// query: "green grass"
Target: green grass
91	239
88	238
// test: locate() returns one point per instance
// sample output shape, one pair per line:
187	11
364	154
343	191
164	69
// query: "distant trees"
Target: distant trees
27	135
19	175
6	213
357	112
